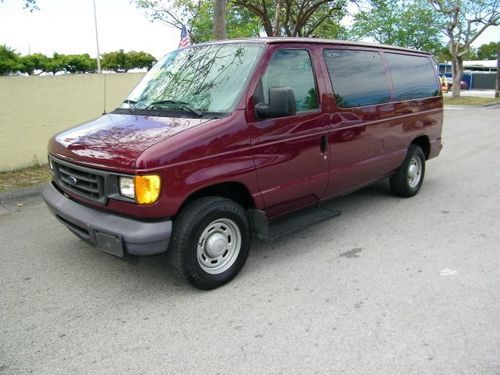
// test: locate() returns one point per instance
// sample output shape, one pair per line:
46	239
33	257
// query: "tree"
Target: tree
198	16
463	21
296	18
79	63
245	18
33	62
55	63
487	51
443	54
122	62
140	60
9	60
400	23
116	61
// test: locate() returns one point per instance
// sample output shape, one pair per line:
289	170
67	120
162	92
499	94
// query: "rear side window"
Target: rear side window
290	68
412	76
358	77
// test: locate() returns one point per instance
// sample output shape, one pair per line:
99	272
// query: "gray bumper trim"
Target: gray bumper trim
139	238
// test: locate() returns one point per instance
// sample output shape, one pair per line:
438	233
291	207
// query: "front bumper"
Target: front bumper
108	232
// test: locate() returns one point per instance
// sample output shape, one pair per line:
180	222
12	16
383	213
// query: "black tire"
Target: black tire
402	183
196	220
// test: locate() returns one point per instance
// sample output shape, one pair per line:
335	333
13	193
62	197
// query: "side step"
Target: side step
270	232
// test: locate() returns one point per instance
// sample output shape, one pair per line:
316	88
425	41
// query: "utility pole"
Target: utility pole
497	86
97	41
220	19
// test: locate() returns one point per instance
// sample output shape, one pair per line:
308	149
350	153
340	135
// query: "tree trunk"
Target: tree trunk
497	86
277	19
458	70
220	20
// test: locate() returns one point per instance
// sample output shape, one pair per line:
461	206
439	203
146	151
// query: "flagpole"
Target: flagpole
97	41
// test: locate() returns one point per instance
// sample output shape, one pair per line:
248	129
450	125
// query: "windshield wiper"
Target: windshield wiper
182	105
131	103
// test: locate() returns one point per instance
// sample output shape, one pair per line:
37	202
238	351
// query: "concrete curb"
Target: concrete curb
483	106
22	193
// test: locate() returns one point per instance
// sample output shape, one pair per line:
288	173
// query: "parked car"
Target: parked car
221	141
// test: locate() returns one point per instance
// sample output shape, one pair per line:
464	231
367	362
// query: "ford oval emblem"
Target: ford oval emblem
72	180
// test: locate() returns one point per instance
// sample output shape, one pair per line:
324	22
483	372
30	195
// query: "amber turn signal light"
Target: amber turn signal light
147	189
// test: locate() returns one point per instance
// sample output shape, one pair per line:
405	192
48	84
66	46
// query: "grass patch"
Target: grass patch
470	100
24	177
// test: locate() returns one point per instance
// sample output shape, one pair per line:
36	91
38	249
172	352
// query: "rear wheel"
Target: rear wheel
210	242
408	179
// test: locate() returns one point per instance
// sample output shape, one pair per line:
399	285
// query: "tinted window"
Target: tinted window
290	68
358	77
412	76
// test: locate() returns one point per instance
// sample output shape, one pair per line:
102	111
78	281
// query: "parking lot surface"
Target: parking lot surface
393	286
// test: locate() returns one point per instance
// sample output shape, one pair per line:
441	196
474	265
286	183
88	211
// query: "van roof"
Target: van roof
284	40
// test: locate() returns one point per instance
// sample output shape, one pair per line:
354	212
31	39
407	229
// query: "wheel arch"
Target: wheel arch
424	143
233	190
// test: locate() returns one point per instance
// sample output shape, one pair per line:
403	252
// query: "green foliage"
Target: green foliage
141	59
198	15
444	54
314	18
307	18
79	63
239	24
116	61
9	60
36	63
246	18
487	51
122	62
404	23
55	64
31	63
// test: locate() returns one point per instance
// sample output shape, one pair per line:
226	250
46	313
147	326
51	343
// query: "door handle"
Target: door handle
324	146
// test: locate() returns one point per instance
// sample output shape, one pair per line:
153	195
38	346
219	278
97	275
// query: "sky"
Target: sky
67	26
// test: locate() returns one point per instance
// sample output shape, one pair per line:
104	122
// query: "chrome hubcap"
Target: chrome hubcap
414	172
219	246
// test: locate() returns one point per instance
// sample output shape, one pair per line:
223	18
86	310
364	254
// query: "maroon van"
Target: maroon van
221	140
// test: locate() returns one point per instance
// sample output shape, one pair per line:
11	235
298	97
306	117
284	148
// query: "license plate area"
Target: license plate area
109	243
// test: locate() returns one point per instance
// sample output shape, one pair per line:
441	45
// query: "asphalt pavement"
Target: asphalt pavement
393	286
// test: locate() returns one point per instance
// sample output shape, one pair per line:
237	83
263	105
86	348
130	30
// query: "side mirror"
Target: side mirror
281	103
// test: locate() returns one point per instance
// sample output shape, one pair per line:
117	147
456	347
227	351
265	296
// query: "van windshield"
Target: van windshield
208	78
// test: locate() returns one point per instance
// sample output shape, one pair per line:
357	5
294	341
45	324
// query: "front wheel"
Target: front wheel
210	242
408	179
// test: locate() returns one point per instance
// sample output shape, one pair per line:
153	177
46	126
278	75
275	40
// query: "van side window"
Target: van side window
412	76
290	68
358	77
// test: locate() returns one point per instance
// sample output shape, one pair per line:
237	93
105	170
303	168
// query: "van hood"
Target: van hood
116	140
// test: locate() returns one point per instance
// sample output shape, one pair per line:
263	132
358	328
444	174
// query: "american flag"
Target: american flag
184	42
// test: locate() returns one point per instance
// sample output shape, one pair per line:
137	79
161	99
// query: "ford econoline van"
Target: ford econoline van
221	142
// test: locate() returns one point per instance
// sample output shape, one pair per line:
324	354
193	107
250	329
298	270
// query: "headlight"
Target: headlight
147	189
143	189
127	187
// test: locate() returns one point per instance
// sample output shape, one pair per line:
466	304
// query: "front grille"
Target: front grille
82	181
